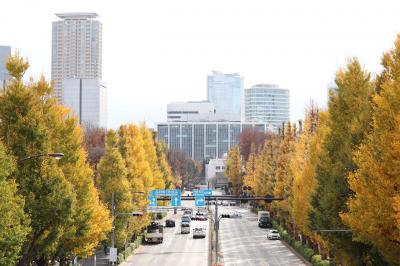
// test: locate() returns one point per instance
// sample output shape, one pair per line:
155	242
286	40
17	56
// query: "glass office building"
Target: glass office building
225	91
266	103
204	140
5	52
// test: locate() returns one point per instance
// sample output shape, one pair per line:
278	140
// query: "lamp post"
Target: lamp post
56	155
114	215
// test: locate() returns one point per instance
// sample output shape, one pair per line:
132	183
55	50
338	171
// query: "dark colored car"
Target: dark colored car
169	223
264	223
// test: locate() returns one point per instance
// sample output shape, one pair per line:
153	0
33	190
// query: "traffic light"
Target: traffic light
137	213
268	198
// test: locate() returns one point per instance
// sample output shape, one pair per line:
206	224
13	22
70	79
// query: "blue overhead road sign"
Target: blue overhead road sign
202	192
176	201
165	192
153	201
200	201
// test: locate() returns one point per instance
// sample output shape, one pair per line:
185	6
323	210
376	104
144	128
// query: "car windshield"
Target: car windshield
273	231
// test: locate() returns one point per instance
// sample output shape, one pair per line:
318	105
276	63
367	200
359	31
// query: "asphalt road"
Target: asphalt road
177	249
242	242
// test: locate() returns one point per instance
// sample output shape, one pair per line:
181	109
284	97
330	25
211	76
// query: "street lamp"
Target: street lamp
114	216
56	155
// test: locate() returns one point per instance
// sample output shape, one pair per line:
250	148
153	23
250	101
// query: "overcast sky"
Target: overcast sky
155	52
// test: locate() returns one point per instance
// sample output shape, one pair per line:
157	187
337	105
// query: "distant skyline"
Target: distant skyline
155	52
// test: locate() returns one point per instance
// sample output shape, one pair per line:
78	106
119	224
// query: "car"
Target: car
232	203
273	235
201	218
199	232
186	218
225	203
188	213
169	223
235	215
185	228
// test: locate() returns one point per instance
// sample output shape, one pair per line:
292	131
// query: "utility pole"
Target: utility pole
113	224
216	228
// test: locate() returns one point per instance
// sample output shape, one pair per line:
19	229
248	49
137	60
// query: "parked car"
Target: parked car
225	203
169	223
199	232
185	228
273	235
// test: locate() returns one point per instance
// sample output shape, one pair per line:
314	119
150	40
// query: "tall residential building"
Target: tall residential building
76	49
76	67
5	51
225	91
198	111
266	103
203	141
88	100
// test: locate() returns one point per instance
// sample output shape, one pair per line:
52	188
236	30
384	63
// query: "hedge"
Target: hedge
129	250
317	260
305	251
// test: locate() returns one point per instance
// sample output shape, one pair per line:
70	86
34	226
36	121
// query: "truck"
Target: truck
154	233
264	219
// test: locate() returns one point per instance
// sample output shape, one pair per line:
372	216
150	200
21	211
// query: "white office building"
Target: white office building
88	100
267	103
5	52
225	91
76	49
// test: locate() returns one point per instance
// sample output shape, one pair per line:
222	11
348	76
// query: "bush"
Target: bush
317	260
308	253
120	258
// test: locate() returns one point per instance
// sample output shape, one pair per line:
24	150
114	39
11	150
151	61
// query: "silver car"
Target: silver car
199	233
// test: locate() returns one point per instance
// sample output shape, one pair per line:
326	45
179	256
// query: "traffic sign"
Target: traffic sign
113	254
153	201
202	192
199	201
165	192
176	201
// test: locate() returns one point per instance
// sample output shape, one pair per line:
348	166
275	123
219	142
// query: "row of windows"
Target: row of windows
201	142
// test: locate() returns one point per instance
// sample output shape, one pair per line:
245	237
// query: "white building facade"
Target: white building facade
76	49
267	103
87	98
5	52
225	91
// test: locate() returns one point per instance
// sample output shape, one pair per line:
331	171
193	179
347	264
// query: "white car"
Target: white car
185	228
199	233
235	215
273	235
225	203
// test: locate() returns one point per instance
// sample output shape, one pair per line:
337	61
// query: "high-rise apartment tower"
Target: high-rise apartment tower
76	49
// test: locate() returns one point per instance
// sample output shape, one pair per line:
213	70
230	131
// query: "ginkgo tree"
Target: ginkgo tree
374	208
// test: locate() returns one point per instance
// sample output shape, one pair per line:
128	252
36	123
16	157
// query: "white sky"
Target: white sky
155	52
